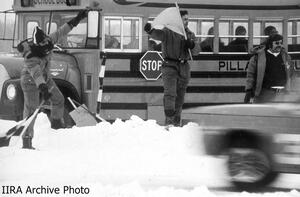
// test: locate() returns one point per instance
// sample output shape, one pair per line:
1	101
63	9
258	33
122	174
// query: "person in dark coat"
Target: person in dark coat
175	69
36	78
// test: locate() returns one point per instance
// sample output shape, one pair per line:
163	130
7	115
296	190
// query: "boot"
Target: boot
57	124
177	121
169	121
27	142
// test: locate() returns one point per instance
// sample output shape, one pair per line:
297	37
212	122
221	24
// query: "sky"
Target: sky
6	5
133	158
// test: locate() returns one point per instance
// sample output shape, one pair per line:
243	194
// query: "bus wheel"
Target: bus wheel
249	168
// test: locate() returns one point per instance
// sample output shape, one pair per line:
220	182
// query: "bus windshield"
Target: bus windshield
50	22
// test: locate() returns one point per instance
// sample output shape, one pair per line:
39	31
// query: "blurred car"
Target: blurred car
259	140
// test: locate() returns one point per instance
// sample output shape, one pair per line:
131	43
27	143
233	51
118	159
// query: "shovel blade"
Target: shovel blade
82	118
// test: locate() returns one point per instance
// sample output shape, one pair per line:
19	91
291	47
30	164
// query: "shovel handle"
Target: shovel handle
72	103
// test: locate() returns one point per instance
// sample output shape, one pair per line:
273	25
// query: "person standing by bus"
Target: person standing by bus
36	78
175	69
269	73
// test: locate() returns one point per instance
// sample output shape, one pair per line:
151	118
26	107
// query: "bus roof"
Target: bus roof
188	4
216	4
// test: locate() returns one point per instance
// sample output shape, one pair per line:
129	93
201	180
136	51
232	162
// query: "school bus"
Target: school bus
114	29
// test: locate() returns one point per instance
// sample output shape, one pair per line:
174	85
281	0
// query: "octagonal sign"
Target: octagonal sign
150	65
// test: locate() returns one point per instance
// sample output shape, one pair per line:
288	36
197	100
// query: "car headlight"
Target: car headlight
11	91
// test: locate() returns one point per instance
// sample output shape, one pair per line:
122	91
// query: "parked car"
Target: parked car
259	140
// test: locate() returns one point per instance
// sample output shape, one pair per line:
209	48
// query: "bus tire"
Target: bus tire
250	168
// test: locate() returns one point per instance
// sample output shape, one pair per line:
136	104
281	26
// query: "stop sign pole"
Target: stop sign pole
150	65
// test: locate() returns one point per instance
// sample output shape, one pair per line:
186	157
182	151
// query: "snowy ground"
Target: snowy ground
134	158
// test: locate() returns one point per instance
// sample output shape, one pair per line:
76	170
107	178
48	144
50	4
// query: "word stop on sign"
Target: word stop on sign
151	65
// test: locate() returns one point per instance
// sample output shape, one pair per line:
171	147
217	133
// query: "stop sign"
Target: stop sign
150	65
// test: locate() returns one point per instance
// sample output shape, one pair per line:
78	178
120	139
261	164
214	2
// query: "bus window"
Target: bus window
93	30
7	19
261	30
76	38
233	35
53	27
276	24
30	27
93	24
257	33
122	34
112	33
294	35
203	29
131	34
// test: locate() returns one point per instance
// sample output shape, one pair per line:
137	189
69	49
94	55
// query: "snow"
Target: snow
133	158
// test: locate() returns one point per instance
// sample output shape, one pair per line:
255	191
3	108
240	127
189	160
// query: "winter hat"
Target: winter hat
38	35
272	38
275	37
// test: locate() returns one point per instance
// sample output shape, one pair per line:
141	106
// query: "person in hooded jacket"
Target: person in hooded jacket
36	78
270	72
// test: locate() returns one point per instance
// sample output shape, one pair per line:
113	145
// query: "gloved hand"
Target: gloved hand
189	44
20	47
44	91
248	96
76	20
148	28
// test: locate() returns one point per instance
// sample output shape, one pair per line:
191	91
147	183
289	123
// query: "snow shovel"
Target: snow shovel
96	116
20	128
80	116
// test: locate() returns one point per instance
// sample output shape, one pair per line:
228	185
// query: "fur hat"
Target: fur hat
38	35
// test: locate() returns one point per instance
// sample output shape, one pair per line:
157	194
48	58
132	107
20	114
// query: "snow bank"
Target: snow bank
126	158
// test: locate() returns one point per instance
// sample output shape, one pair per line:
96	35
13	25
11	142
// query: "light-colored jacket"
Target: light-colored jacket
257	67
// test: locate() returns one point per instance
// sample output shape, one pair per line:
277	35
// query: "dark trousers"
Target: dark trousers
175	77
32	100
